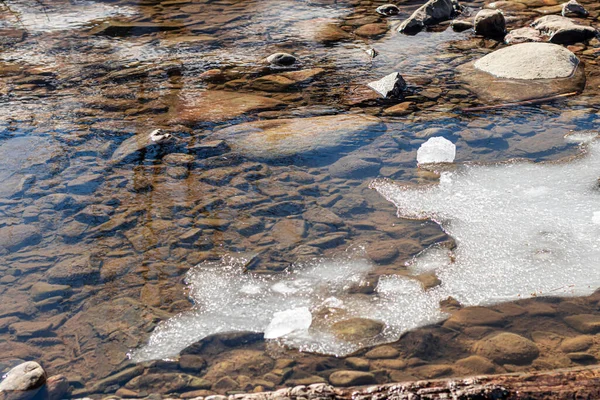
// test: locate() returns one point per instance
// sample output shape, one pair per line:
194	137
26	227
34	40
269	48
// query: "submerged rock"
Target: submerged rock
351	378
529	61
312	137
357	328
218	106
150	144
390	86
461	25
563	30
23	381
281	59
507	348
387	10
431	13
573	9
490	23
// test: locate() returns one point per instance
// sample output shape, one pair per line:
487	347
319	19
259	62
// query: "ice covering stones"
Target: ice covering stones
529	61
521	229
436	150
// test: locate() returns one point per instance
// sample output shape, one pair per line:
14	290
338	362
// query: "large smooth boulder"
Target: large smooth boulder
315	137
23	381
430	13
563	30
529	61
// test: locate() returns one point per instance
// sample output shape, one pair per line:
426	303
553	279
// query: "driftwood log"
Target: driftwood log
564	384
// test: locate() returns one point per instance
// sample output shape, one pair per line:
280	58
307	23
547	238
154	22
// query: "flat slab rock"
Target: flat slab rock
529	61
315	136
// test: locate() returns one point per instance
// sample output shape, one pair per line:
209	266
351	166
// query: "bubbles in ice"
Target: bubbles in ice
436	150
297	308
521	228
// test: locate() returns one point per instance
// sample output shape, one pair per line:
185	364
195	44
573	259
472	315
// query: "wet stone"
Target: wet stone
475	316
281	59
490	23
461	25
577	344
42	290
388	10
351	378
22	382
390	86
584	323
15	237
573	9
563	30
356	363
357	328
477	365
382	352
522	35
431	13
507	348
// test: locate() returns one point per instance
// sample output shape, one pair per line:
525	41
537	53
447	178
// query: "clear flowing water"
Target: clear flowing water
117	248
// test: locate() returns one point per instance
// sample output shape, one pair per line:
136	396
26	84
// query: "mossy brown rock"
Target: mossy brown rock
357	328
507	348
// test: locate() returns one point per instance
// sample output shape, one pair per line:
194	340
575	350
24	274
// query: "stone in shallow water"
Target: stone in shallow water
281	59
217	106
430	13
563	30
388	9
529	61
522	35
300	137
390	86
507	348
490	23
22	382
573	9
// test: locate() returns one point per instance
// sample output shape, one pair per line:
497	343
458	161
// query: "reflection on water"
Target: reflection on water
95	249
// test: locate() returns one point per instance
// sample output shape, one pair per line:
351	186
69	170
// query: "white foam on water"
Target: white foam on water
296	309
521	229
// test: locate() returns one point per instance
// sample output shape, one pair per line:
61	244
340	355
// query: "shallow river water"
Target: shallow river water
136	267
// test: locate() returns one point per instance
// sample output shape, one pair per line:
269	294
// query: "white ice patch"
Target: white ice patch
288	321
521	229
436	150
298	308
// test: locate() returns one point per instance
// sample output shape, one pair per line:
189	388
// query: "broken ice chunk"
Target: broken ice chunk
436	150
596	217
288	321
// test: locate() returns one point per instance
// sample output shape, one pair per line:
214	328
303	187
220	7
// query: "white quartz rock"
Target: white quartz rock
436	150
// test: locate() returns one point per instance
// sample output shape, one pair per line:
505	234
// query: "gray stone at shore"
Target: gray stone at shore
23	381
300	137
430	13
390	86
529	61
573	9
490	23
563	30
